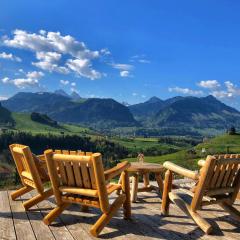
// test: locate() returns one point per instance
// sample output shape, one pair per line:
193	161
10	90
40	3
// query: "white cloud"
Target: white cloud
10	56
3	98
83	68
139	58
105	51
35	75
73	84
221	94
185	91
64	82
124	68
48	62
31	79
48	56
49	48
124	73
21	82
134	94
48	41
209	84
231	91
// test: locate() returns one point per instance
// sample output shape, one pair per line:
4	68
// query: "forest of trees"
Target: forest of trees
112	152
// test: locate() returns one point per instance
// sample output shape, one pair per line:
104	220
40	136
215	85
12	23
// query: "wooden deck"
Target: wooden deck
146	223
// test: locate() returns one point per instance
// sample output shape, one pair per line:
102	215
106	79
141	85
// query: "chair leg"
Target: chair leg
231	210
201	222
20	192
159	182
35	200
126	191
48	219
106	217
166	190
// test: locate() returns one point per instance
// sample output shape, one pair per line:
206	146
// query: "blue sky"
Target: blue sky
127	50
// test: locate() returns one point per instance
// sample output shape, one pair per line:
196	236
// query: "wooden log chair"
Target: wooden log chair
32	171
218	182
80	178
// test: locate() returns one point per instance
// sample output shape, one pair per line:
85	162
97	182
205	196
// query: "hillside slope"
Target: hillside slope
5	116
91	112
189	157
206	112
23	122
98	113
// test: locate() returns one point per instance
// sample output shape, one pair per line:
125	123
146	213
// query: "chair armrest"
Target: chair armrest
117	170
41	157
201	162
181	171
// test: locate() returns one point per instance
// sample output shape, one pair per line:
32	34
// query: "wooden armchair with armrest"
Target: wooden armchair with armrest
81	179
217	182
32	172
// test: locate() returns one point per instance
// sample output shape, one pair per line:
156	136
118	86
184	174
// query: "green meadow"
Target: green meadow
189	157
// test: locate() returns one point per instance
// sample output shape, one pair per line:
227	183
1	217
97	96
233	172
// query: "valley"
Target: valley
176	129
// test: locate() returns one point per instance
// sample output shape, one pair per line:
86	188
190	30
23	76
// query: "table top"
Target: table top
145	167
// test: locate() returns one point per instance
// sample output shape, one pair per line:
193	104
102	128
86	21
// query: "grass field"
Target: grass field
142	144
24	123
218	145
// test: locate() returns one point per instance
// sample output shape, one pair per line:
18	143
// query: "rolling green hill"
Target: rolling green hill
23	122
189	157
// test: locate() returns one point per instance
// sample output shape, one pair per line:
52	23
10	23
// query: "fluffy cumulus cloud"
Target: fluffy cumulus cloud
10	56
48	61
123	68
83	68
230	91
31	79
211	84
185	91
48	41
49	48
34	75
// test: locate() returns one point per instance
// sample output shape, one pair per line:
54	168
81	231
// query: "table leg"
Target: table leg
238	196
134	188
146	179
159	182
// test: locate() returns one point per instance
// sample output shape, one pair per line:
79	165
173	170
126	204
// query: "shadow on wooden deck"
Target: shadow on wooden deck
147	222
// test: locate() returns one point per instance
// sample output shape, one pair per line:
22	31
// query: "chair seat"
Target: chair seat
89	192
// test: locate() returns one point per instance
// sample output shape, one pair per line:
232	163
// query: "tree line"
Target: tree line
112	152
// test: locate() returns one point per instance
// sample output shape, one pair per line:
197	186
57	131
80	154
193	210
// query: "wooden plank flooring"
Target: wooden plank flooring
146	223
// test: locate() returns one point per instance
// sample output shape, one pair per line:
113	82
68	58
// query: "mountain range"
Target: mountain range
174	113
93	112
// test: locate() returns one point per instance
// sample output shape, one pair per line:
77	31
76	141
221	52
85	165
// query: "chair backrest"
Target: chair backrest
219	179
26	166
77	173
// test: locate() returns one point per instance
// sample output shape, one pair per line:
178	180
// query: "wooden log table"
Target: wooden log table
144	169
